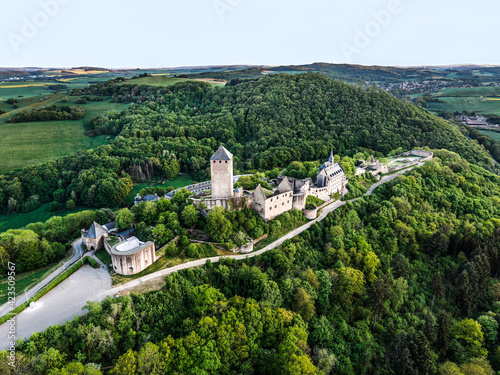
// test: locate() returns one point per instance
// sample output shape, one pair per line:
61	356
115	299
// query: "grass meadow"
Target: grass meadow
160	80
41	214
469	104
29	143
490	133
471	91
183	179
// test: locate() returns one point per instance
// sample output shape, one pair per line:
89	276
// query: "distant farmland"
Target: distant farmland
490	133
28	143
468	103
163	81
471	91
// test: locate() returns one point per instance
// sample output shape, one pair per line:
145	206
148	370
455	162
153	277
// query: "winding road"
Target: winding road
21	298
67	300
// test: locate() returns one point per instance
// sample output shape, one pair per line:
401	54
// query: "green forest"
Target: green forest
266	124
402	282
405	281
53	112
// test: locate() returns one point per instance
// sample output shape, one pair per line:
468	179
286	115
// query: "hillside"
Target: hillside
266	124
402	282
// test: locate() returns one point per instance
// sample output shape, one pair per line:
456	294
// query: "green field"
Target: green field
24	281
490	133
41	214
25	89
181	180
469	104
28	143
104	257
470	91
162	81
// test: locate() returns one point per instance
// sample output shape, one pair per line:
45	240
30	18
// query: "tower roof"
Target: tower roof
284	186
222	154
259	193
96	231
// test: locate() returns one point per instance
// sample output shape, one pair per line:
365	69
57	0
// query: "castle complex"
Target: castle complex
290	193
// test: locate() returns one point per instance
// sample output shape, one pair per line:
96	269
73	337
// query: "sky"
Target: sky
166	33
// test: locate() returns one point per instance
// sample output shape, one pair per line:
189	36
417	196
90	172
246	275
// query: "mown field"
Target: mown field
41	214
490	133
27	143
469	104
24	281
471	91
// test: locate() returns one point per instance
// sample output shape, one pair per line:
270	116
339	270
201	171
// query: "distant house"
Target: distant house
473	120
476	123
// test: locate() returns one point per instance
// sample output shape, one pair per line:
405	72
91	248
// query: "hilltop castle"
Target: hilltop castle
290	194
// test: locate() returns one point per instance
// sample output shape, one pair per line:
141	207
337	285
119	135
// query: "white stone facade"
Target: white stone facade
221	168
132	256
279	203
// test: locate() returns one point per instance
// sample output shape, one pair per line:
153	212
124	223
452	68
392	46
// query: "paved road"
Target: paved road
60	304
67	300
78	249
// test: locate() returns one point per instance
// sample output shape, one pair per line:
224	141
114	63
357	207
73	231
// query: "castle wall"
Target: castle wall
427	155
134	263
299	201
311	214
222	178
92	243
321	193
274	206
227	203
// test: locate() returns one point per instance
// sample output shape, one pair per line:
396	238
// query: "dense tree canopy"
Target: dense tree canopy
402	282
266	124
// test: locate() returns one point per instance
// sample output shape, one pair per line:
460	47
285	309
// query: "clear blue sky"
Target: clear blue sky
166	33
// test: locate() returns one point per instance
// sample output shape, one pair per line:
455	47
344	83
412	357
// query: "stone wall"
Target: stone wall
311	214
399	167
274	206
222	178
321	193
94	244
299	201
134	263
427	155
226	203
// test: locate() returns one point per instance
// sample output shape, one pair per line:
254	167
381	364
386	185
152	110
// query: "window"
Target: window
220	161
226	161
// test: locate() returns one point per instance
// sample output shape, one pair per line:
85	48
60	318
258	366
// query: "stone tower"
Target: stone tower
221	167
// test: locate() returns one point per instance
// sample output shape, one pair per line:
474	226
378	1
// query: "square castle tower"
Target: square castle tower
221	168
